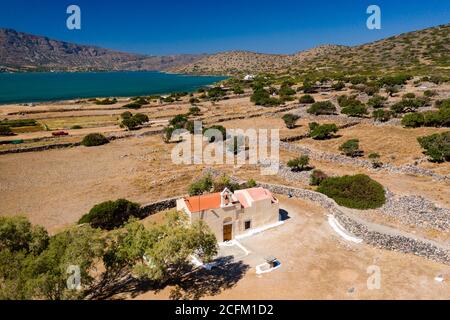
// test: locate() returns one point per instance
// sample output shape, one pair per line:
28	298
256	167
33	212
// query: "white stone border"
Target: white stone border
336	226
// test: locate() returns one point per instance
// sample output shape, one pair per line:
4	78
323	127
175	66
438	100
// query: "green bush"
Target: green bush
409	95
307	99
355	110
377	102
19	123
321	132
194	111
316	178
261	97
357	192
299	164
308	87
141	118
106	101
201	186
179	121
211	136
5	131
351	148
338	86
381	115
76	127
413	120
238	90
94	139
111	215
126	115
437	146
133	105
290	120
322	108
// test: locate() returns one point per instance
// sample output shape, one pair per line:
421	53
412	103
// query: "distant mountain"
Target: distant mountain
427	49
25	52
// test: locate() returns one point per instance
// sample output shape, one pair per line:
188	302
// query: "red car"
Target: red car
59	133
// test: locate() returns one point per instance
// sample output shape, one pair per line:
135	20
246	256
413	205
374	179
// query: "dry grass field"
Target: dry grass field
54	188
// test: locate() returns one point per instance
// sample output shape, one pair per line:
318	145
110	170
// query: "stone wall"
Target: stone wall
342	159
394	242
155	207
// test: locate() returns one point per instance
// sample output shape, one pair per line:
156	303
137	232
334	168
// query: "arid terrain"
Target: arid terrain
54	181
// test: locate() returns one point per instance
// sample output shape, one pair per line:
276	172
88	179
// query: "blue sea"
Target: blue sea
38	87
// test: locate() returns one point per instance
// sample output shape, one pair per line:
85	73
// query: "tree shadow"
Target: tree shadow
193	285
203	282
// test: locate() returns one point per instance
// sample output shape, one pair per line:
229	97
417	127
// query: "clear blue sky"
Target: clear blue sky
207	26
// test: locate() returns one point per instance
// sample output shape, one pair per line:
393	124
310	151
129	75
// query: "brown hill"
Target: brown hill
22	51
425	49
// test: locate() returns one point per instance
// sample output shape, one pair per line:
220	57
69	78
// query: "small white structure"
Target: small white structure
249	77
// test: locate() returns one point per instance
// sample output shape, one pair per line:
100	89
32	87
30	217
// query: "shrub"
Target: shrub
130	123
299	164
286	90
375	159
409	95
94	139
351	148
111	215
5	131
216	93
381	115
211	137
413	120
443	104
179	121
307	99
201	186
193	100
238	90
322	108
437	146
391	90
194	111
357	192
225	182
290	120
19	123
261	97
338	86
409	105
308	87
126	115
76	127
377	102
355	110
141	118
106	101
133	105
250	184
316	178
321	132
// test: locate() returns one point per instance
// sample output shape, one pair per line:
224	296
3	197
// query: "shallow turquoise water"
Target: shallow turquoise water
35	87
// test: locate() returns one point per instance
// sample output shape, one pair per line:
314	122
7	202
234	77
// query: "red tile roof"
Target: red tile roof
203	202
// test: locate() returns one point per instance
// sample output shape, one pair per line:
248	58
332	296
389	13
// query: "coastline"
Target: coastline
144	92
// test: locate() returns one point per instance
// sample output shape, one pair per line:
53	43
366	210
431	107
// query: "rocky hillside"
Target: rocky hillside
418	50
21	51
424	50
